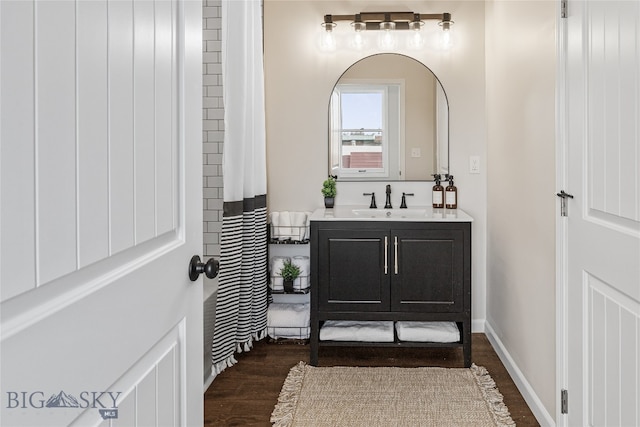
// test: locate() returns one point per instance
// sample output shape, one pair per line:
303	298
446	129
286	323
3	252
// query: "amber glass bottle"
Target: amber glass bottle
451	195
437	195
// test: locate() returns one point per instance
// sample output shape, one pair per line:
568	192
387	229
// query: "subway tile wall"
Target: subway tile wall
212	126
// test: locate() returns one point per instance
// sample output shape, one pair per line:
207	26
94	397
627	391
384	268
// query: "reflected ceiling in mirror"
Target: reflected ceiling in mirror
388	121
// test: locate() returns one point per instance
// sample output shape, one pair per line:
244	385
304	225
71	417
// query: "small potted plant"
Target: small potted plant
289	273
329	191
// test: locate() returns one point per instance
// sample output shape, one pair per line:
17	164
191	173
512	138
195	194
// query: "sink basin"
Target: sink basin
390	213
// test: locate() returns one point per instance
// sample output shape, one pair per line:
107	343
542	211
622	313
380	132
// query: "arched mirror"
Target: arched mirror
388	121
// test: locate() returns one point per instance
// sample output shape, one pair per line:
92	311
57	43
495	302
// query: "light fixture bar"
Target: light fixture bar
403	20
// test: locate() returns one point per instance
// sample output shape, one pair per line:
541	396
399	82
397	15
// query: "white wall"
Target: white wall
299	79
521	67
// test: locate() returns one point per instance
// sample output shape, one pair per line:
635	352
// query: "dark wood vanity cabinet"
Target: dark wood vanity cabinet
395	271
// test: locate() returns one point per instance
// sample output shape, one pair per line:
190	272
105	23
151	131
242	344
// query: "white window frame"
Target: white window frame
370	86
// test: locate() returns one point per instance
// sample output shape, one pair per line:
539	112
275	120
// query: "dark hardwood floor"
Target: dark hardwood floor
245	394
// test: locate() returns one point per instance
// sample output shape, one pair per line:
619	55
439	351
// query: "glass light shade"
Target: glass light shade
387	38
326	38
415	40
445	39
358	40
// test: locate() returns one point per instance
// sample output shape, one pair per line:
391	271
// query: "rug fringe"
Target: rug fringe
493	397
282	415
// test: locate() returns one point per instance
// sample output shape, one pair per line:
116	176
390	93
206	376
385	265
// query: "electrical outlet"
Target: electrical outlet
474	164
415	152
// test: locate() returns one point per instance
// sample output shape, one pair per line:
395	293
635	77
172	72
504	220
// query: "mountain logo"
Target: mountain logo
62	400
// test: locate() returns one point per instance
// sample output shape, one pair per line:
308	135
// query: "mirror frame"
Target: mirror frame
448	127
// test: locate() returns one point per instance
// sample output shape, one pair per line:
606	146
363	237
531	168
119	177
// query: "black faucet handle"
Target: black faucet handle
373	200
403	204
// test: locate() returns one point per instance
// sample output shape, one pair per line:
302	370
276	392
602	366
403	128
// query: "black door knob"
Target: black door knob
196	267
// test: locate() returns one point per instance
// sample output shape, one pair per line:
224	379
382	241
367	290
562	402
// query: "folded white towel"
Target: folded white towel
287	320
444	332
277	284
301	333
348	330
288	315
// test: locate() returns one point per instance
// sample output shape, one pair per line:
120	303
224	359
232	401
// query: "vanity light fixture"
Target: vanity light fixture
387	23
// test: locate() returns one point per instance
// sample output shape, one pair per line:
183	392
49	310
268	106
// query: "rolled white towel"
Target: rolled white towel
298	225
277	282
302	282
285	225
277	262
275	224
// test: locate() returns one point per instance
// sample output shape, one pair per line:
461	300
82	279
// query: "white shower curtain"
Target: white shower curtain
241	309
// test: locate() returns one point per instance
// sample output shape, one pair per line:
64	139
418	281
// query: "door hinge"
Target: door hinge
563	8
563	202
564	401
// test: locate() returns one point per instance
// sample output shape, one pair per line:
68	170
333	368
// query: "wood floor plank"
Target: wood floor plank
245	394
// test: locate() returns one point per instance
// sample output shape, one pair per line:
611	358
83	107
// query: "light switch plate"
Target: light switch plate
415	152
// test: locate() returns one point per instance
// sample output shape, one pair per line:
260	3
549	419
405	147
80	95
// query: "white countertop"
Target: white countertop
413	214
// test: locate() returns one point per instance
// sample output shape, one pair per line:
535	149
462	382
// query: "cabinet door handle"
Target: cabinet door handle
395	258
386	255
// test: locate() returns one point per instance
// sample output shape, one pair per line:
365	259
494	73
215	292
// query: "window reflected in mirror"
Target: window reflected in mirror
367	117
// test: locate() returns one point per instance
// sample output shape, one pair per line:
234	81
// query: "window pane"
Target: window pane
362	150
362	110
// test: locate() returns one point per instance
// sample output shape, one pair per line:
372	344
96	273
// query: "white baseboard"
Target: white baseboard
532	399
477	325
208	382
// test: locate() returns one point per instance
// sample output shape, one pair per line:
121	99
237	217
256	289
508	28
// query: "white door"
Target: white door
601	364
100	212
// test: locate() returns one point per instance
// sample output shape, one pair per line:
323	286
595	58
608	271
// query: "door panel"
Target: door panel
92	136
353	276
55	141
429	274
98	300
603	227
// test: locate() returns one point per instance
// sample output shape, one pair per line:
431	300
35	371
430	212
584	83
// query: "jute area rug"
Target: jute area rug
387	397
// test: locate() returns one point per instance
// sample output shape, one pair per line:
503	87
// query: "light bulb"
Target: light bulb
415	40
358	41
387	40
327	41
445	39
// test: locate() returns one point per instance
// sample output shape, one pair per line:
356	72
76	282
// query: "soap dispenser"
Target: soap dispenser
451	194
437	195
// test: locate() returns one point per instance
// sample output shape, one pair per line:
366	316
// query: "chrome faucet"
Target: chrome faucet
387	203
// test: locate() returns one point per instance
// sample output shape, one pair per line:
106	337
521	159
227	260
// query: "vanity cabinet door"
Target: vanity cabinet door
427	271
351	270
